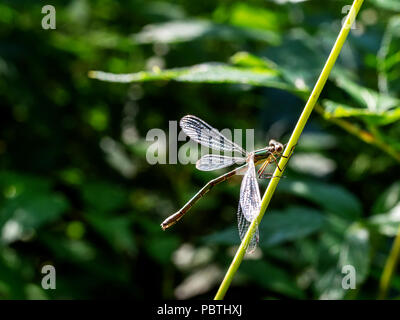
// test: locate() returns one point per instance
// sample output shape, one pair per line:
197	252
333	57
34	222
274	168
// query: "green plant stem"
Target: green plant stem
389	268
290	146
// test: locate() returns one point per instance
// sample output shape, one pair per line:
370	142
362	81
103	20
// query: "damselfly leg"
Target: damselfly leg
250	199
171	220
290	155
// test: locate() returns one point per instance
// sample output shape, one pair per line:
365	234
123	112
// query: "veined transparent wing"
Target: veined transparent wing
250	199
203	133
243	226
211	162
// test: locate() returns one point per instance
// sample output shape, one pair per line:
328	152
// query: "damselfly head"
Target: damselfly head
277	146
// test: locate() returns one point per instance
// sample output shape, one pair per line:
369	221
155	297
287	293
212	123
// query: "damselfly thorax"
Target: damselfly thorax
267	155
250	199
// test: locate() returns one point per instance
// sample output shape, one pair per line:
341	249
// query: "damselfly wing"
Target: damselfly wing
250	199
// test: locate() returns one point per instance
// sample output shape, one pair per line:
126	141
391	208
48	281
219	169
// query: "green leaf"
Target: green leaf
28	212
248	60
388	58
163	10
339	110
28	204
388	205
203	73
367	98
294	223
337	251
298	58
259	17
387	224
189	30
387	4
316	141
228	236
104	196
69	250
329	284
115	230
161	248
13	184
388	199
271	277
332	198
355	251
33	210
175	31
276	228
387	211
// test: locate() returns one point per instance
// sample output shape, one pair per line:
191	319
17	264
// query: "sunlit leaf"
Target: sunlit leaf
388	199
166	10
366	97
388	58
329	284
248	60
13	184
387	4
373	116
246	15
189	30
198	282
175	31
312	163
387	223
28	212
355	251
203	73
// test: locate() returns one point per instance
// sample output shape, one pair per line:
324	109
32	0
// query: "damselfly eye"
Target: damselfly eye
279	149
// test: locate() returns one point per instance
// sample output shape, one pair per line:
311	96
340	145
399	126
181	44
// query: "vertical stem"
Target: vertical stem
389	268
291	144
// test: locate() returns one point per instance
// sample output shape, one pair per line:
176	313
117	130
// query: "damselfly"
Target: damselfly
250	199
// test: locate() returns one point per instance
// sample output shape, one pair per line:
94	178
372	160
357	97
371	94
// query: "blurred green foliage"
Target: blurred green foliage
78	193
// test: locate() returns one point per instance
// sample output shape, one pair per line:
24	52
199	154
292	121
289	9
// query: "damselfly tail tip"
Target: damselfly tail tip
166	224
